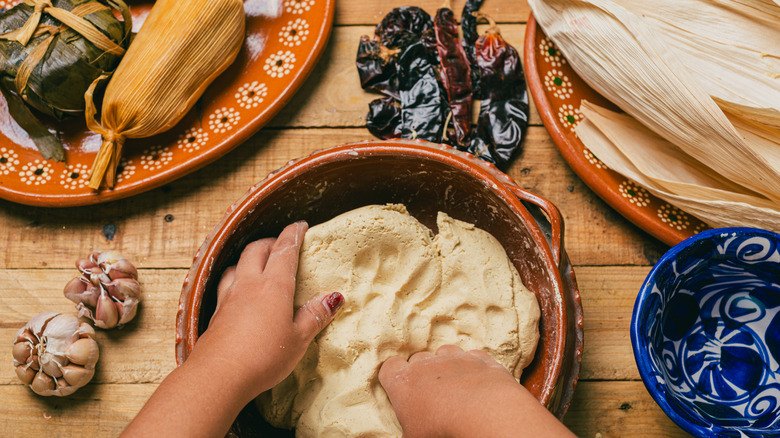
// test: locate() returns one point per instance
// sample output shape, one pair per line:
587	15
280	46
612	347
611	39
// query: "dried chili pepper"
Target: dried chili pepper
423	106
503	117
384	118
455	73
403	27
376	67
468	23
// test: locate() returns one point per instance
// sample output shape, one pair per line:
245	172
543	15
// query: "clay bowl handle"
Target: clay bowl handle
551	215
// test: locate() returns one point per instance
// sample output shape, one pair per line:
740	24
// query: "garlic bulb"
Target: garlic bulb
55	354
108	291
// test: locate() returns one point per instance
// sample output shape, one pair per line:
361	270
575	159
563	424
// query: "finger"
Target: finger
488	359
389	372
225	282
448	350
253	259
279	274
420	356
316	314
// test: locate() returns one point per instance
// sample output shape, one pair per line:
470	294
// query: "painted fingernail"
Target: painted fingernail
333	302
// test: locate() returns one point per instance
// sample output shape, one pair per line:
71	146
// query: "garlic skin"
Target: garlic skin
107	292
55	354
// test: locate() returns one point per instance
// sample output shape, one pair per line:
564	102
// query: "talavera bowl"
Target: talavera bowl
706	333
426	178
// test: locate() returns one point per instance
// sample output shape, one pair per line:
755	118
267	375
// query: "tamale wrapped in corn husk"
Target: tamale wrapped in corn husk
51	52
181	48
700	81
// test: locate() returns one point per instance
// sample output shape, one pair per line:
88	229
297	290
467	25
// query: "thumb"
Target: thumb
316	314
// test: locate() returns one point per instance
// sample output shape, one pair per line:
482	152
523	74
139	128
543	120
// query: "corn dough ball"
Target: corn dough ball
405	290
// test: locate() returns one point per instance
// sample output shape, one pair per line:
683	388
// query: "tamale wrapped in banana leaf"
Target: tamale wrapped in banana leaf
52	50
181	48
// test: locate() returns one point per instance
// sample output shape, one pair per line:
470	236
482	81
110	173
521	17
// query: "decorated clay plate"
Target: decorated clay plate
280	50
557	92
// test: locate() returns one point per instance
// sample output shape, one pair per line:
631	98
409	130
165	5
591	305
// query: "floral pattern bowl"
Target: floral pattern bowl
706	333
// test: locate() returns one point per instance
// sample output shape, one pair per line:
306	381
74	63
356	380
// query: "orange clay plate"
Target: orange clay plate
557	92
280	50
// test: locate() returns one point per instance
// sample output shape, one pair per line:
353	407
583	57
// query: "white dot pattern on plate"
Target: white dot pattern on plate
9	159
125	170
569	116
36	173
550	53
558	84
223	120
634	193
298	6
674	217
156	157
75	176
8	4
279	64
593	159
251	94
294	33
192	139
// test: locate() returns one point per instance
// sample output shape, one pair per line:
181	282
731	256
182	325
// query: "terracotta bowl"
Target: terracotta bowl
426	178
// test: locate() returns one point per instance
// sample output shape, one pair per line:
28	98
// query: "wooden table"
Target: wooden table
161	230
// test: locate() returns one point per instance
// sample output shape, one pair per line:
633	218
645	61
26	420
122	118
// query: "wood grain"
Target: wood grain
600	409
164	228
352	12
332	95
144	350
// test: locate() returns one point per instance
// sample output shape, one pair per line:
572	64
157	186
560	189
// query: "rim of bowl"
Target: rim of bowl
188	318
638	342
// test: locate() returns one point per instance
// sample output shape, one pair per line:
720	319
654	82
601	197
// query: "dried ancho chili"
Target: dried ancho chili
455	73
431	81
503	115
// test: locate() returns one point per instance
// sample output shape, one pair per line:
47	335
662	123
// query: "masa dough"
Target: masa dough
405	291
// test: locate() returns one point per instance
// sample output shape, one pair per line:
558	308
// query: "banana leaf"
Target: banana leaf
70	63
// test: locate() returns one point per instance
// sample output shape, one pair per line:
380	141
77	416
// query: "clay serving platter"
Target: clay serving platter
281	47
427	178
557	91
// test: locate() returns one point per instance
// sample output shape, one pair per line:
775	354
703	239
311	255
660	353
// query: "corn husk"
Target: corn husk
625	58
634	151
181	48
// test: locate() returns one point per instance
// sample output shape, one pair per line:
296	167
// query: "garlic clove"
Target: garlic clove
116	266
59	339
51	364
76	375
25	374
42	383
108	280
33	362
22	351
106	313
83	352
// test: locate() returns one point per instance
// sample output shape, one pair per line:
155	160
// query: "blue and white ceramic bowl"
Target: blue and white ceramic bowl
706	333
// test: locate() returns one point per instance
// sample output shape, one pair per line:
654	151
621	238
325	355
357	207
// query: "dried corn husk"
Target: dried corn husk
620	55
634	151
181	48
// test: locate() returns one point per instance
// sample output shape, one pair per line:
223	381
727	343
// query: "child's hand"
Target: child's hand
462	394
254	333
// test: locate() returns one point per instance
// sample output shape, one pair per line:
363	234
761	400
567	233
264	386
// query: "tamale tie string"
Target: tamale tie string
107	158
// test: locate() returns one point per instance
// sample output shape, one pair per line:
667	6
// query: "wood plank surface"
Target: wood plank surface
332	95
144	350
600	409
164	227
353	12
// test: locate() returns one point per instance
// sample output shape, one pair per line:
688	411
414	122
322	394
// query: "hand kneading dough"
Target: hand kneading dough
405	291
